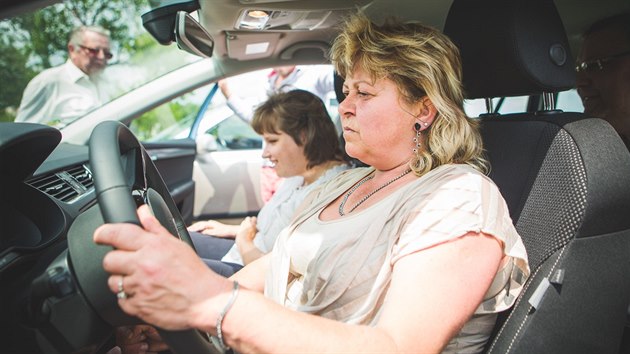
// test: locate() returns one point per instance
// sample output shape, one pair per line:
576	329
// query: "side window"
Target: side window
170	120
231	133
219	129
569	101
504	105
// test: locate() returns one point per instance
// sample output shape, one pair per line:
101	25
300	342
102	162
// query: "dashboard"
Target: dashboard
44	187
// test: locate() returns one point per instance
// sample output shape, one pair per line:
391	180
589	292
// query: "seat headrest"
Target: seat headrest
338	84
510	47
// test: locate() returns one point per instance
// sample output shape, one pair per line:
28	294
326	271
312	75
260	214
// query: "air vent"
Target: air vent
56	187
82	175
65	186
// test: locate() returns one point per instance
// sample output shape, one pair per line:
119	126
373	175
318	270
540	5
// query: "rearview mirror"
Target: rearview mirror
190	36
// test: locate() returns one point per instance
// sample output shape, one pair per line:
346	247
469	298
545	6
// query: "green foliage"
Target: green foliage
141	127
180	111
34	41
167	120
14	74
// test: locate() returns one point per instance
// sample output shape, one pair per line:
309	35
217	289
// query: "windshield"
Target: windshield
58	74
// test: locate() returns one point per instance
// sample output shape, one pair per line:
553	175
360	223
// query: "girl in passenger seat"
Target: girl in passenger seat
302	143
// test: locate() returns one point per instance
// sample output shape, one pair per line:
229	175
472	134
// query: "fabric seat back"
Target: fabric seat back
565	177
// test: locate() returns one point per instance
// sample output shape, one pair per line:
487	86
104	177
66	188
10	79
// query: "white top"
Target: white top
277	213
59	95
446	203
318	80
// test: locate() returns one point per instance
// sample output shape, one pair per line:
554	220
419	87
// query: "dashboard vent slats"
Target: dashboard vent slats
67	185
82	175
55	187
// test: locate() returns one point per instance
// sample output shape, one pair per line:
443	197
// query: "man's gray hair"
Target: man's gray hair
76	36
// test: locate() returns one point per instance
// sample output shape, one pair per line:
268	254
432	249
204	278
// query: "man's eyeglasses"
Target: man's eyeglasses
94	51
597	64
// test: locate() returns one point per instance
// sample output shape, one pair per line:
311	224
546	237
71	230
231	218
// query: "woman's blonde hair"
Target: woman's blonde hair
421	61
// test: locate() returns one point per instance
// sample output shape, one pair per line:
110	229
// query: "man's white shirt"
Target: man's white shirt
59	95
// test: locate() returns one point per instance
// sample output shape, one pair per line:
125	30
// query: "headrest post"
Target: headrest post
548	101
489	106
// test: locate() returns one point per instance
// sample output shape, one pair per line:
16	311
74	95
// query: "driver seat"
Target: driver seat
565	177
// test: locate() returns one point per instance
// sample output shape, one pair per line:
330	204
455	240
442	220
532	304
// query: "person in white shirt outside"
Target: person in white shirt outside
315	79
58	95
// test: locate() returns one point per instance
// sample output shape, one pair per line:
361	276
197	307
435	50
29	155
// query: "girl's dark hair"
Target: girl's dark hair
303	116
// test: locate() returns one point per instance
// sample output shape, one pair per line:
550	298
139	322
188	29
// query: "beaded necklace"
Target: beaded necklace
363	180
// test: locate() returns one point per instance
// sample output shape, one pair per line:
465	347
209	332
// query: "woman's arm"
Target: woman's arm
432	294
252	276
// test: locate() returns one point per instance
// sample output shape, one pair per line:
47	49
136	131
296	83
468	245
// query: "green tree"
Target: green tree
13	71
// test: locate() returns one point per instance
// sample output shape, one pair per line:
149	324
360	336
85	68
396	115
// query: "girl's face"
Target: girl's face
287	156
377	125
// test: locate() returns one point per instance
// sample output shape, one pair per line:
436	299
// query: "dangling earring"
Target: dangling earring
416	140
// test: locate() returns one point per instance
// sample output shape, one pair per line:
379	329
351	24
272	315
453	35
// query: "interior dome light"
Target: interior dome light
253	20
258	14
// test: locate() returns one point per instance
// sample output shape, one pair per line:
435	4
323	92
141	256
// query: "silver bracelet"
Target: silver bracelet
219	342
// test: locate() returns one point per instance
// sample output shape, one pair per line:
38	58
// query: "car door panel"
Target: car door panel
227	184
174	159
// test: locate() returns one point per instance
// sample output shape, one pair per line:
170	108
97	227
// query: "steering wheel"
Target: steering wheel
124	177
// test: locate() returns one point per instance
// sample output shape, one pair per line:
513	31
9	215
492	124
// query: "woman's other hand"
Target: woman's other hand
139	339
214	228
247	230
245	240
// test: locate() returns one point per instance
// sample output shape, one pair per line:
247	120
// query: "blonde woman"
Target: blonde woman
416	254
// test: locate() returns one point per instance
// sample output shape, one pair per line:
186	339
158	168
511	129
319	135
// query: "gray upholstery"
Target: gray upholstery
550	187
565	177
518	47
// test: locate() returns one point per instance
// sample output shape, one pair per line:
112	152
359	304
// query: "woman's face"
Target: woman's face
377	124
287	156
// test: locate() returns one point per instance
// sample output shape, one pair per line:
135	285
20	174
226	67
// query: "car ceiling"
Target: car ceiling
220	16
